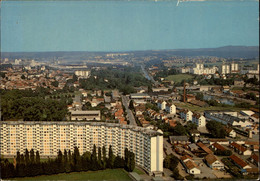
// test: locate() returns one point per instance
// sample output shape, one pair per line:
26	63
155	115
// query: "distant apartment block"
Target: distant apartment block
50	137
82	73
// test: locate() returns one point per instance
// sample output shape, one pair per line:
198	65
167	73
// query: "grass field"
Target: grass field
201	109
113	175
179	77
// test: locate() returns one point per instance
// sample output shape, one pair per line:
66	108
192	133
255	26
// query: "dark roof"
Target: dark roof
179	138
239	147
219	147
203	147
238	161
210	158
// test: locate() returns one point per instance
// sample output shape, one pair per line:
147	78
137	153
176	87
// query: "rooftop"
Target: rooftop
85	123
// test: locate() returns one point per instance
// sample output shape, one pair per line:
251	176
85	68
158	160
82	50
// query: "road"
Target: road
129	115
148	76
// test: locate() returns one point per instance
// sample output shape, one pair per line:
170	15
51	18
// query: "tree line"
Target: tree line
29	106
29	164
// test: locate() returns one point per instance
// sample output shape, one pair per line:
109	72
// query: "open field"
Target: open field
114	174
179	77
201	109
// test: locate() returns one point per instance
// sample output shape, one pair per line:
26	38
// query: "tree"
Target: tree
32	156
199	96
119	162
22	159
110	161
27	158
170	162
216	129
104	156
179	130
132	161
94	158
22	77
55	83
131	105
99	158
18	157
38	159
76	159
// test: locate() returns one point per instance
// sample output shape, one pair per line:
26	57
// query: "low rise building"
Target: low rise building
85	115
199	120
179	139
240	149
213	162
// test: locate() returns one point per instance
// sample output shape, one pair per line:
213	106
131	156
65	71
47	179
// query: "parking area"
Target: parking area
221	174
205	170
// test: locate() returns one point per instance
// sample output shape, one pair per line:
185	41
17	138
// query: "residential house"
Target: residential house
213	162
221	141
161	104
216	146
191	167
179	139
199	120
186	114
139	110
239	83
253	145
195	133
185	158
231	133
193	147
254	158
239	162
240	149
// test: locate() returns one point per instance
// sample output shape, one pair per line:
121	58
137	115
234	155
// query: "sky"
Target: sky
37	26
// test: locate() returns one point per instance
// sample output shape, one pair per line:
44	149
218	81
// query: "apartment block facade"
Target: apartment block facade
50	137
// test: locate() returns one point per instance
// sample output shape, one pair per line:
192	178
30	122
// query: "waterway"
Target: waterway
221	100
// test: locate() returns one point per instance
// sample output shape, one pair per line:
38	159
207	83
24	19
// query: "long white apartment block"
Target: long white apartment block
50	137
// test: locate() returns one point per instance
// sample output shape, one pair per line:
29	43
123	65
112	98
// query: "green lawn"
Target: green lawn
179	77
201	109
115	174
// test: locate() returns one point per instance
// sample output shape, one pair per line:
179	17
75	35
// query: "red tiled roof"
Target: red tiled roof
238	161
239	147
190	164
203	147
218	146
255	157
210	158
186	157
251	142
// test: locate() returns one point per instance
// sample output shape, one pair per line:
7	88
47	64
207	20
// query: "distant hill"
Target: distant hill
225	52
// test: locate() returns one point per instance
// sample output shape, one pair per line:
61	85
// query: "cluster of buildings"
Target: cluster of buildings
209	149
22	74
225	68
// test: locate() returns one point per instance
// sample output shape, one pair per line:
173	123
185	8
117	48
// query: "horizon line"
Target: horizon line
125	50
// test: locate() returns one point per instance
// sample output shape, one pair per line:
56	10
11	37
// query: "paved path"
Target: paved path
129	115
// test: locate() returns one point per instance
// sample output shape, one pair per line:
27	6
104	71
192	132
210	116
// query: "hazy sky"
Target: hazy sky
119	26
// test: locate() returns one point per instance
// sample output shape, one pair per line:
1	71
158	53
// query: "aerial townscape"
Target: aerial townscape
160	114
